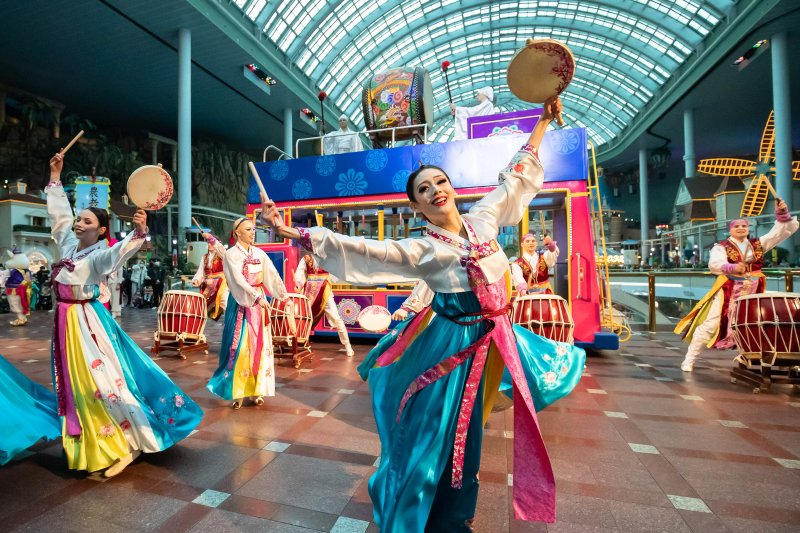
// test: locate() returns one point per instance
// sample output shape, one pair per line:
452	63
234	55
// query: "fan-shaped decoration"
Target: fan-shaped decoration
756	197
758	192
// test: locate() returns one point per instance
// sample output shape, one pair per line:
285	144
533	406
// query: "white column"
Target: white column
643	205
288	147
184	131
689	156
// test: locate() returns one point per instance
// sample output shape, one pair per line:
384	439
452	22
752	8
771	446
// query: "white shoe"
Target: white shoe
122	464
687	367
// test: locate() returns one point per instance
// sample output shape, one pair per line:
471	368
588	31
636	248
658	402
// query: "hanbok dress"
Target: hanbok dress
425	384
246	359
113	398
29	412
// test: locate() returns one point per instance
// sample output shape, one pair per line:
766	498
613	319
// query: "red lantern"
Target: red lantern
322	96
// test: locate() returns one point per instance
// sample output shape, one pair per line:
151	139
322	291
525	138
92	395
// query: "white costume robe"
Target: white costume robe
331	311
463	113
341	142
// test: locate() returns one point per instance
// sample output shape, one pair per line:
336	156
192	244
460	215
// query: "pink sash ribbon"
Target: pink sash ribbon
534	480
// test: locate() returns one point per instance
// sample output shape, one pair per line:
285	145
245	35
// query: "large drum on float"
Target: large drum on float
546	315
765	326
290	323
398	97
182	318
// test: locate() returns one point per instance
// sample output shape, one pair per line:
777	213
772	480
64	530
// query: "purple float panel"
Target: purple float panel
514	123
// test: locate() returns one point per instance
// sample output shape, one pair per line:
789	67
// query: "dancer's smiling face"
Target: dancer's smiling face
433	194
246	232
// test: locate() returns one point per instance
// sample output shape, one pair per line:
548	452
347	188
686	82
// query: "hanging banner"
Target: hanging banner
91	192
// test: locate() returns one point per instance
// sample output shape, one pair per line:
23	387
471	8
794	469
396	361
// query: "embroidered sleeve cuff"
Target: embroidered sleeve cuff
52	184
727	268
528	148
305	239
211	239
521	287
783	215
551	246
139	234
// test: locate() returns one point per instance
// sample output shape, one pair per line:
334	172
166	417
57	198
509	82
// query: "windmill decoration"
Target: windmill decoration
757	172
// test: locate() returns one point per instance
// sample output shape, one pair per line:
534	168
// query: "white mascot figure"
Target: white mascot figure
18	286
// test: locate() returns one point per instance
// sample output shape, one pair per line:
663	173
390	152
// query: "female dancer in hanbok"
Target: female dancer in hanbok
29	412
114	400
425	385
246	359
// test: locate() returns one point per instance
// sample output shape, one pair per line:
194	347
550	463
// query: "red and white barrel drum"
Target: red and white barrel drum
398	97
182	312
281	314
546	315
767	323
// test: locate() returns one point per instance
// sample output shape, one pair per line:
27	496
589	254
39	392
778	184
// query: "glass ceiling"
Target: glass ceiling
625	50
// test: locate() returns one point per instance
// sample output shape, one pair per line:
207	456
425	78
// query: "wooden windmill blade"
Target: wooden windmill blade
726	166
755	199
766	151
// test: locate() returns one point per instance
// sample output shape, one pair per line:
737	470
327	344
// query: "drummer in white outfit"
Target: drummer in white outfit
331	311
485	106
342	141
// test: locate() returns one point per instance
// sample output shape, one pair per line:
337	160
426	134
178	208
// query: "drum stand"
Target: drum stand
181	343
762	370
299	350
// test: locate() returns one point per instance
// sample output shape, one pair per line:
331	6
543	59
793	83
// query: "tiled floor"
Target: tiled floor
638	446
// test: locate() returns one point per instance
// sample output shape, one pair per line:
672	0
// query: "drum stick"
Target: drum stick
445	66
196	223
258	179
73	141
771	188
541	219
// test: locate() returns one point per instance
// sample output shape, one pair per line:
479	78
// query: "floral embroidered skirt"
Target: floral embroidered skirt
411	490
246	362
122	399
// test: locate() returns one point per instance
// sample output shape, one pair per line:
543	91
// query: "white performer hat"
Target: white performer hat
343	117
488	92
